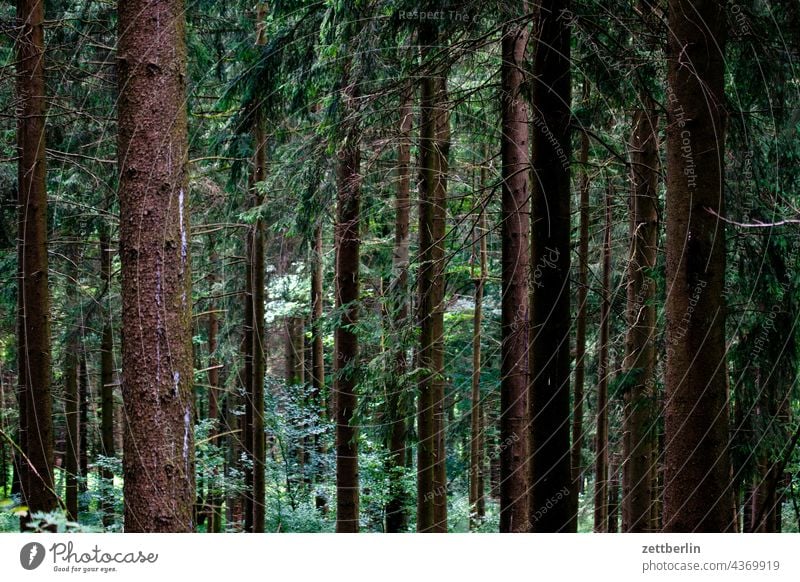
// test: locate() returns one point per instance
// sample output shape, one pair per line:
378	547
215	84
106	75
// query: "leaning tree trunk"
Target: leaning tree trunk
347	291
640	355
33	296
515	302
697	466
156	275
396	515
549	404
434	145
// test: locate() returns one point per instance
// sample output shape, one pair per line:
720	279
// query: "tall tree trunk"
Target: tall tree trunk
514	367
347	293
317	348
107	377
640	354
156	273
259	338
601	440
214	500
83	423
477	445
434	145
71	395
697	466
396	515
550	261
576	452
33	296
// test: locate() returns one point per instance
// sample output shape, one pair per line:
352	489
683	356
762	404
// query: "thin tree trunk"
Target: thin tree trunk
697	466
601	442
156	274
107	377
33	296
434	146
396	514
550	261
477	453
317	349
640	356
71	412
576	452
613	496
83	424
514	366
347	294
214	505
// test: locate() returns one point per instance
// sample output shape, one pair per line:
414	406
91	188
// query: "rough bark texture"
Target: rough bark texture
347	292
396	515
576	453
434	146
514	366
156	274
697	467
106	375
33	296
601	437
477	444
639	366
550	263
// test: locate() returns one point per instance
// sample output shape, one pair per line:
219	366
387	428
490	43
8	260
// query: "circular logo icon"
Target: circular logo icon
31	555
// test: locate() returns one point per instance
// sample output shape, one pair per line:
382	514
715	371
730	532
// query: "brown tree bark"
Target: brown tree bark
71	412
396	514
640	354
477	448
576	452
434	146
33	296
156	273
214	499
697	467
550	261
347	294
515	325
603	372
317	348
106	375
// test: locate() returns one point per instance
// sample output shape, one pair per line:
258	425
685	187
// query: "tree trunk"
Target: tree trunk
214	499
396	515
696	468
550	261
434	146
601	442
107	377
33	296
156	274
317	349
640	356
71	412
477	452
515	325
347	294
83	424
576	452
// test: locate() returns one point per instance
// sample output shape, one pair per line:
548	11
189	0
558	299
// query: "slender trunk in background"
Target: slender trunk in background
259	338
246	420
317	349
515	219
550	264
156	273
33	295
434	145
477	444
396	515
576	452
697	465
601	438
613	496
106	376
347	292
71	412
214	499
83	423
640	354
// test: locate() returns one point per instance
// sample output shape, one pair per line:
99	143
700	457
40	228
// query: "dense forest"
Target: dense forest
391	266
